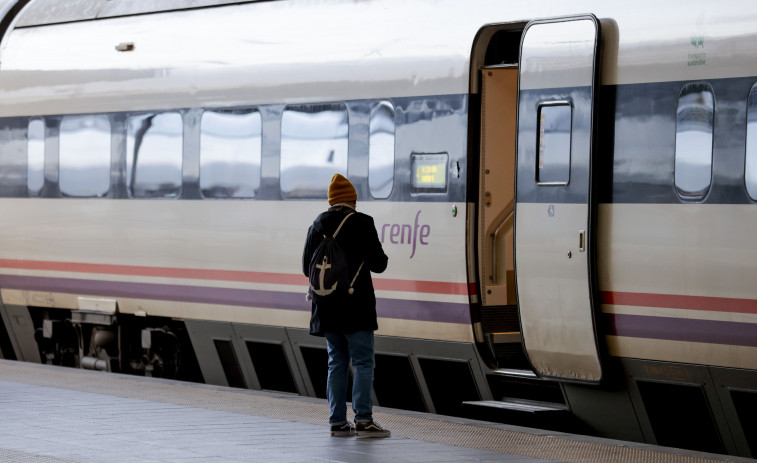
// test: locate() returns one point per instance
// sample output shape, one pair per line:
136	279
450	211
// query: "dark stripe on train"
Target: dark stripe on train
575	191
682	329
432	124
634	154
403	309
636	148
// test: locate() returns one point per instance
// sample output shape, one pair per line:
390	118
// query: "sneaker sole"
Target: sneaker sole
375	435
342	433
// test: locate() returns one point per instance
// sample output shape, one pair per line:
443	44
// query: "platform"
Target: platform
61	415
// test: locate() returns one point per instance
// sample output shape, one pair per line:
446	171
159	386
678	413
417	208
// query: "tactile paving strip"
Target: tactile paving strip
461	433
14	456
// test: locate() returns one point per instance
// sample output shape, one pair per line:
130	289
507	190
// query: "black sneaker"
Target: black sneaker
371	429
342	430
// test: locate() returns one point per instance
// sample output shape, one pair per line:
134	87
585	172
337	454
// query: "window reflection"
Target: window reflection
230	151
154	155
313	148
750	169
694	128
84	155
553	155
35	159
381	150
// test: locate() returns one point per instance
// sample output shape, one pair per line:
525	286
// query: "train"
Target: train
565	190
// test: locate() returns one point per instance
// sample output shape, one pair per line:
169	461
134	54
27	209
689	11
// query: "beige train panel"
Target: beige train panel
236	314
222	235
152	279
228	284
684	352
673	249
559	309
497	186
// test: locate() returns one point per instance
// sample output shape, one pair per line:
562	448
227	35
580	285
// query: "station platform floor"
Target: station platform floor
53	414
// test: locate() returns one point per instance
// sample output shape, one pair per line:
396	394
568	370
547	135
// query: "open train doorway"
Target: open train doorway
536	84
495	71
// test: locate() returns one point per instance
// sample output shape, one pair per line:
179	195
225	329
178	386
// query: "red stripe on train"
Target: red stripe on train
432	287
674	301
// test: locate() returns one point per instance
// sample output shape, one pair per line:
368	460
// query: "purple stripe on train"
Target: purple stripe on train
390	308
683	329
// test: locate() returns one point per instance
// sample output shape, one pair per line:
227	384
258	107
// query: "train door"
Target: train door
553	205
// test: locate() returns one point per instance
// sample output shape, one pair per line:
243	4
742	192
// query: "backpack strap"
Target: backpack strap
340	225
352	290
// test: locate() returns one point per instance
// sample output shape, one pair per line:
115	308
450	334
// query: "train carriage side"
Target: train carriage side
661	138
164	192
566	199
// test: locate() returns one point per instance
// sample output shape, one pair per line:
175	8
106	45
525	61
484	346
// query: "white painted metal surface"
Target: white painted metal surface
552	267
276	52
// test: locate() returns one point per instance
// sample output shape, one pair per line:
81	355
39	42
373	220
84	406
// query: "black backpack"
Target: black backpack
329	276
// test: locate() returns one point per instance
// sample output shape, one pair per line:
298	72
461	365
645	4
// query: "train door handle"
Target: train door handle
582	240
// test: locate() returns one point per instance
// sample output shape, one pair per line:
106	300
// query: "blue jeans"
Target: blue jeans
359	347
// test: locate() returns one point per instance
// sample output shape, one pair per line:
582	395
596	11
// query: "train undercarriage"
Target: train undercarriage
687	406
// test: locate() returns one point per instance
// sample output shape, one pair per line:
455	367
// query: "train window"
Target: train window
154	155
750	169
35	159
694	127
381	150
313	148
84	156
13	157
230	151
553	158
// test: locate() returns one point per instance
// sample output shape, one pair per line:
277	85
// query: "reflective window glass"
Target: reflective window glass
313	148
553	155
154	155
35	161
84	156
694	127
14	147
381	150
750	169
230	150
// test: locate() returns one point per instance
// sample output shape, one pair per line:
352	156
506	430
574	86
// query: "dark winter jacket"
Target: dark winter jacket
359	240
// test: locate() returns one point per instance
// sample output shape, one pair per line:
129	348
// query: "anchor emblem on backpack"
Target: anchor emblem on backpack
321	276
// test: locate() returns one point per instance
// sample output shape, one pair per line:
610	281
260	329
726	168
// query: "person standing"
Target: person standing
348	320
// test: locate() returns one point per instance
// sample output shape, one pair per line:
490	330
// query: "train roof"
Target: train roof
119	56
45	12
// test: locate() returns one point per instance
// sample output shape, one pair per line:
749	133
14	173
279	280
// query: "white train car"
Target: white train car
565	190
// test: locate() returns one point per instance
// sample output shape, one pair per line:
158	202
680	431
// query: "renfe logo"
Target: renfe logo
406	233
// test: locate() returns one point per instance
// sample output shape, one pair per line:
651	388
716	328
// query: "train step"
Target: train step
508	350
521	406
532	414
506	337
498	319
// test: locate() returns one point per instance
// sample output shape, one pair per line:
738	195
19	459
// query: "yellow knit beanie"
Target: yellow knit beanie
341	190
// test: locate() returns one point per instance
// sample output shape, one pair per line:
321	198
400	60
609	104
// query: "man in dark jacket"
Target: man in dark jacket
348	323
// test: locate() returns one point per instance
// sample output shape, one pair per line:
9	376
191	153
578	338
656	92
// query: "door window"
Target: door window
553	150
